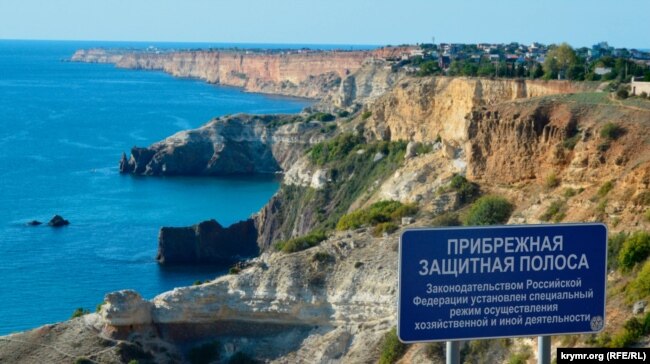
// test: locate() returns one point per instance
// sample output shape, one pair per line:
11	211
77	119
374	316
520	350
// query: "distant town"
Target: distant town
599	62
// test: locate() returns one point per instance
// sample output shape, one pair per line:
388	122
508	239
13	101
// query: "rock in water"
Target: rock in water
125	166
34	223
207	243
58	221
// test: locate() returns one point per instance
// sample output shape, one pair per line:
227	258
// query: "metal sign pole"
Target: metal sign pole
543	350
453	352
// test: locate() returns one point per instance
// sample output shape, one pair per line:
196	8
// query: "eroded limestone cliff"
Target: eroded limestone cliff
421	109
311	74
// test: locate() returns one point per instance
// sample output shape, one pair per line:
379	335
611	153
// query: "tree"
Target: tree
428	68
537	71
559	60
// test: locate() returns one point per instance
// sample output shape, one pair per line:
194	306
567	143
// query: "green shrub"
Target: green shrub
334	149
343	114
391	348
234	270
569	192
467	191
632	331
647	214
519	358
321	116
489	210
551	181
640	287
205	353
614	245
358	264
605	188
365	115
622	93
570	143
379	212
611	131
446	219
384	227
646	324
134	361
555	212
99	306
301	243
79	311
636	248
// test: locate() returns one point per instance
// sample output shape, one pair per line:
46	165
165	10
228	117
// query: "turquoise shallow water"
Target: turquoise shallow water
63	127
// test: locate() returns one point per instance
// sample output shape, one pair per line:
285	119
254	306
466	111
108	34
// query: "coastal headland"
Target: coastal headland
383	150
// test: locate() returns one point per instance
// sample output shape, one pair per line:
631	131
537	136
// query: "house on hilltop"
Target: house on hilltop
637	87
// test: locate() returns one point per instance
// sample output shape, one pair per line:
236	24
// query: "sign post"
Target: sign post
501	281
543	350
453	352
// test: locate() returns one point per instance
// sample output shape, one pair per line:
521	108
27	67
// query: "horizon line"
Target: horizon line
297	43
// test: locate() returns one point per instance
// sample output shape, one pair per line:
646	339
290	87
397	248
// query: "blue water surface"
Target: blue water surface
63	127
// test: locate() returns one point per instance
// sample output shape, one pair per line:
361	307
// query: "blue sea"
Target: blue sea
63	127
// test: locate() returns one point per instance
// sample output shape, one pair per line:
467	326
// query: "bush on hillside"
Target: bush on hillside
614	245
80	311
611	131
384	227
635	249
446	219
551	181
555	212
641	285
334	149
379	212
321	116
301	243
489	210
467	191
605	188
391	348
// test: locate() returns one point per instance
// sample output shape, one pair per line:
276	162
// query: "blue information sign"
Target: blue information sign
501	281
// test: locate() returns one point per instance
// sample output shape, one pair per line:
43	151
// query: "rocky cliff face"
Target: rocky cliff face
421	109
207	243
311	74
240	144
375	78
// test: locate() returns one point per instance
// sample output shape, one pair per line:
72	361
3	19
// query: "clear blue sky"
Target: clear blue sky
579	22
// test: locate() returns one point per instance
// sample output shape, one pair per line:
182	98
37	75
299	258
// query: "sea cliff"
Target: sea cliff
310	74
536	144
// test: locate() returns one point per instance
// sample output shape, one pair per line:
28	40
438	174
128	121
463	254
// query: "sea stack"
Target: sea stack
58	221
